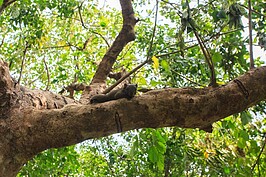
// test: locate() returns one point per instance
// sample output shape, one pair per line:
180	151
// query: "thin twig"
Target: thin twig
127	50
188	79
203	47
34	80
258	158
55	47
22	63
2	42
47	73
124	77
250	35
195	45
153	32
254	11
83	24
77	68
105	40
80	16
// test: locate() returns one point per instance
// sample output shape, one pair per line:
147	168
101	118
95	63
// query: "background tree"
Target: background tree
77	48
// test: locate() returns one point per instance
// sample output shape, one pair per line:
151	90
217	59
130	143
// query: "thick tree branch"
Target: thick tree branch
31	130
183	107
126	35
14	95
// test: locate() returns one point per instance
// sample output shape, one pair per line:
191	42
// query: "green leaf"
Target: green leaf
215	16
254	146
103	24
243	134
217	57
142	81
161	147
241	143
159	136
153	154
160	163
245	118
1	2
165	65
134	147
227	170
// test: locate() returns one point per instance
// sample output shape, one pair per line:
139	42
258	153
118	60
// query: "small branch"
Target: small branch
2	42
207	56
188	79
77	68
5	4
86	43
118	75
56	47
258	158
105	40
47	73
254	11
125	76
84	26
250	35
34	80
153	32
80	16
22	63
203	47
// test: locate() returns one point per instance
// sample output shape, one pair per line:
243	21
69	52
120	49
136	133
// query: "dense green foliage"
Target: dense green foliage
55	43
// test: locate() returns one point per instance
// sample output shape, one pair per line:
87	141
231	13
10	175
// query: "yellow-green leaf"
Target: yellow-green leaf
155	62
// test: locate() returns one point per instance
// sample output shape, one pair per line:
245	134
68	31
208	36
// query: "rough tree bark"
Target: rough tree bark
33	120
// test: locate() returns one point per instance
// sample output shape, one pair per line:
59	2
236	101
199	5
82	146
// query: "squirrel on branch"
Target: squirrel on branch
128	91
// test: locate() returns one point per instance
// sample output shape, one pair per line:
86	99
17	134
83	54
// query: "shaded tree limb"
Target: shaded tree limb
73	87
